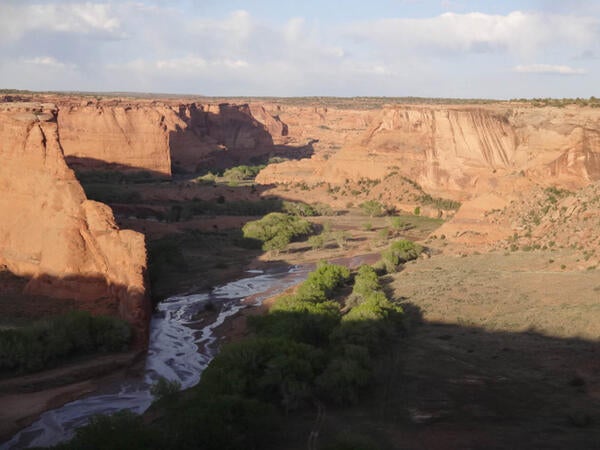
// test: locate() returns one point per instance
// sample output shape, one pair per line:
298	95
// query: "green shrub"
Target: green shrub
341	238
298	320
342	380
221	422
164	389
46	342
321	283
299	209
122	430
366	281
273	370
370	323
400	252
322	209
317	242
243	172
373	208
276	230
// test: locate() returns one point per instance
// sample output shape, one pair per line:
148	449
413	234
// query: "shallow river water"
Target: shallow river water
180	348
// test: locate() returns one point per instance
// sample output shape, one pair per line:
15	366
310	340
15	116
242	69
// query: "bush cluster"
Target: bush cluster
276	230
243	172
398	253
47	342
373	208
304	351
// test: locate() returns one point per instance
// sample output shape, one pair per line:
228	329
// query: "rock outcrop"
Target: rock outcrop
65	244
464	151
159	137
485	156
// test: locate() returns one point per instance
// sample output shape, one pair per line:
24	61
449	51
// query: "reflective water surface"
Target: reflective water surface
180	348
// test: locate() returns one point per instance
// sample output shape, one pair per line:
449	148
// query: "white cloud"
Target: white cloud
73	18
170	46
517	32
549	69
193	63
44	61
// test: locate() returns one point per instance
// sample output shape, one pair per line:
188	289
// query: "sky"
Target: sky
426	48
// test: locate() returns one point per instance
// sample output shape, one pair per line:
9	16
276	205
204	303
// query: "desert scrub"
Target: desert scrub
399	252
240	173
366	281
304	351
373	208
317	242
322	282
47	342
370	323
276	230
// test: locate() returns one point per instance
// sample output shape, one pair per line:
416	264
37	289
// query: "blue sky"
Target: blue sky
433	48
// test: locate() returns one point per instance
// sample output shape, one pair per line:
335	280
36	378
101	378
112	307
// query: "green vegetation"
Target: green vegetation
400	224
438	202
165	390
560	102
322	282
47	342
398	252
305	353
276	230
366	281
240	173
373	208
122	430
317	241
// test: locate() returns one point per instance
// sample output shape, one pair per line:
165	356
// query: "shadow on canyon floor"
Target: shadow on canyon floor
211	141
448	386
226	139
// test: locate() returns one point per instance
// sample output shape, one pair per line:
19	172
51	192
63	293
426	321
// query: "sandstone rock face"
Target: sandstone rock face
157	137
485	156
128	137
460	152
68	246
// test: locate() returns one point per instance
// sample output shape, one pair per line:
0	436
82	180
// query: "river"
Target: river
179	349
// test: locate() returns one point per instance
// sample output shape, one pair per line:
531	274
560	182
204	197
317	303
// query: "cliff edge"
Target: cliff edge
66	245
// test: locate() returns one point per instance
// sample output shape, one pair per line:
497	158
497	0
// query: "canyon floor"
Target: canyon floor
500	352
501	347
502	313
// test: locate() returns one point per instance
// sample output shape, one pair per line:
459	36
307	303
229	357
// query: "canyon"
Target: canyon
463	179
490	157
66	246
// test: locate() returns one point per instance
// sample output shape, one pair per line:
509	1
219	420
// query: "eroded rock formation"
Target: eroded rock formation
67	245
161	136
462	151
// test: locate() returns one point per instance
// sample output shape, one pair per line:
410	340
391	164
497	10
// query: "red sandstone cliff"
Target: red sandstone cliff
68	246
161	136
462	151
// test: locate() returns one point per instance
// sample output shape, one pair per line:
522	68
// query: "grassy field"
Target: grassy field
500	352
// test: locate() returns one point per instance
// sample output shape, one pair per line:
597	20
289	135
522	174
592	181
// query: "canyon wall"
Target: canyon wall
159	137
462	151
482	155
65	244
